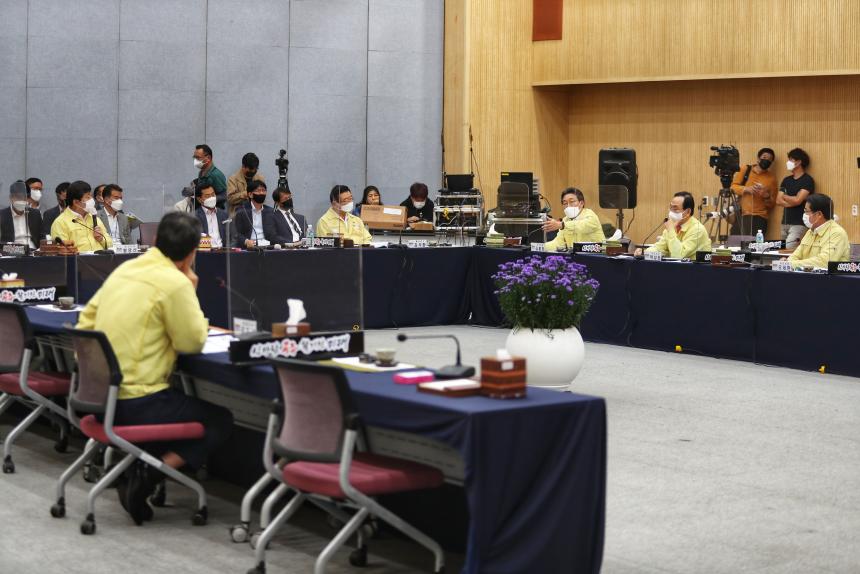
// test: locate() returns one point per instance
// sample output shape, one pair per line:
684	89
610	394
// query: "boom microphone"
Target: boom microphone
457	371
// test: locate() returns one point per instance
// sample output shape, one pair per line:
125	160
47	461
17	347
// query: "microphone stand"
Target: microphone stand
456	371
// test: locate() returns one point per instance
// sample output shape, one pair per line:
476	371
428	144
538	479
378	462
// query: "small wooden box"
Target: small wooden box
284	330
384	216
512	364
421	226
613	250
513	241
505	379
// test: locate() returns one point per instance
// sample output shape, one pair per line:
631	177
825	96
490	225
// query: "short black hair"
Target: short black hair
765	150
418	190
799	155
31	180
689	202
108	188
201	184
18	189
579	195
820	202
334	195
367	190
76	191
250	161
257	184
178	234
280	190
206	149
61	187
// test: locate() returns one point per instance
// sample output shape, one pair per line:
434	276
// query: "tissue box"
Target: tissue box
503	378
284	330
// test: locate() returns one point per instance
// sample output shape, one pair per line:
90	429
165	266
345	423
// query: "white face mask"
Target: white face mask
116	205
571	212
790	165
198	163
19	205
90	206
36	195
806	221
348	207
210	202
676	215
418	204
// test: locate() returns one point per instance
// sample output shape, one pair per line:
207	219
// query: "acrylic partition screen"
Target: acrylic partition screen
93	270
327	281
42	272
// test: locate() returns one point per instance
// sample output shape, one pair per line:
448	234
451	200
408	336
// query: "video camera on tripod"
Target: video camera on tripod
726	162
283	165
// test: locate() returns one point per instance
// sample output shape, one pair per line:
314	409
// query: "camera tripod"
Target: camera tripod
727	210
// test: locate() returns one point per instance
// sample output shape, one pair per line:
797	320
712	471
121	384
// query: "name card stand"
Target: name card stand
538	247
588	248
843	268
764	246
314	346
653	256
15	250
730	260
126	249
781	266
28	294
418	243
331	242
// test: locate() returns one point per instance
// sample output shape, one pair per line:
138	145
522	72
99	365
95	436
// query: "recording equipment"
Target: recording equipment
726	161
527	178
459	182
283	165
456	371
617	178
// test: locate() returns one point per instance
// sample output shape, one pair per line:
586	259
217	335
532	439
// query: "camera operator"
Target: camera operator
756	189
793	193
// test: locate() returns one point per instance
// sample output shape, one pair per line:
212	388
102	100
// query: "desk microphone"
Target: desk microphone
94	228
251	305
665	219
457	371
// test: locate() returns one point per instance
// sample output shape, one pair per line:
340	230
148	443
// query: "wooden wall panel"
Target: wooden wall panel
628	40
672	125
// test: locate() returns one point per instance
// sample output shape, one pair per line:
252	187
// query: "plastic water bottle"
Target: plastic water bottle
309	236
759	237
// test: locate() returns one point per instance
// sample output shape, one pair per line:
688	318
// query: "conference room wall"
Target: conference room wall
119	90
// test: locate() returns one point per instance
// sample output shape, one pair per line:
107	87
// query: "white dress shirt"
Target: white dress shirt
293	224
257	215
113	228
214	230
21	225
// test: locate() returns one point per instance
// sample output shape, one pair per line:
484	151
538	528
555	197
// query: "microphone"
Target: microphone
711	215
665	219
93	229
457	371
251	304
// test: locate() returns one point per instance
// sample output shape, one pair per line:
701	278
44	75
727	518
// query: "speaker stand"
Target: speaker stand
619	218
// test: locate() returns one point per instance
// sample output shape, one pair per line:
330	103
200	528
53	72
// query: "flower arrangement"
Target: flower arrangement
547	293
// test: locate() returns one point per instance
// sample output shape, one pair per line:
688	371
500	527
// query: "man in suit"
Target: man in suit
255	225
116	221
34	192
211	217
289	226
50	215
18	223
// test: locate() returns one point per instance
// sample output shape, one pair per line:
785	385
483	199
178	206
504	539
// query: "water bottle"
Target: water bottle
759	238
309	236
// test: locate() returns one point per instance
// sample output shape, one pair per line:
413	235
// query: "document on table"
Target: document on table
354	363
55	309
217	343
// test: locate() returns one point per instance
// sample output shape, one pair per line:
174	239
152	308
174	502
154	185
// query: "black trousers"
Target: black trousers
750	224
173	406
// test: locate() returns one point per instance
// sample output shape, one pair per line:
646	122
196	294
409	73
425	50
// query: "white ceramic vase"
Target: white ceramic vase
553	357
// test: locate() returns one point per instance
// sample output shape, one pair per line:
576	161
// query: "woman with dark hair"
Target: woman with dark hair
371	196
418	206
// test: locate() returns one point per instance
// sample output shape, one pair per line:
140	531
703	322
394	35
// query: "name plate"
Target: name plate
126	249
764	246
781	266
705	257
844	267
418	243
15	250
28	295
330	242
538	247
588	248
320	346
653	256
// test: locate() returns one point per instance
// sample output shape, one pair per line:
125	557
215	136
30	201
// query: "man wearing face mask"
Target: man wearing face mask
579	224
78	224
210	216
34	192
54	212
825	240
756	190
18	223
118	223
683	235
418	206
254	221
203	162
793	193
339	221
289	225
237	184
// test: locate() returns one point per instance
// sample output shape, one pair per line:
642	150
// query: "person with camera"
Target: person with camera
579	224
755	188
825	240
683	235
793	193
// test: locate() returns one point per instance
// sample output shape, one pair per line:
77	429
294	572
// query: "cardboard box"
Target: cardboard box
384	216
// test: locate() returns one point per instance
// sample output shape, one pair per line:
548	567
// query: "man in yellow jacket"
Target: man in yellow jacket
77	225
339	220
148	309
579	224
684	235
825	240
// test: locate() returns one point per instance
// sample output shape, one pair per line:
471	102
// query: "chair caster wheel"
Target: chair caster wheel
201	517
159	497
88	526
255	540
259	569
8	465
59	509
358	557
62	445
239	533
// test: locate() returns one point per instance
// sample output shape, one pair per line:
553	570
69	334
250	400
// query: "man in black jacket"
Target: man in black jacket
254	222
19	223
289	226
52	214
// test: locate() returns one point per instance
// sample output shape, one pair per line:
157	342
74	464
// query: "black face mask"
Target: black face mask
764	163
258	197
287	204
250	174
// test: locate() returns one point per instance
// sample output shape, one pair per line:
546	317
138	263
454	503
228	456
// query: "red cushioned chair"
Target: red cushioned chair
17	384
319	427
94	390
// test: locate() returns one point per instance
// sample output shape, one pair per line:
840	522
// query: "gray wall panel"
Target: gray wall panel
70	158
162	66
316	167
13	61
11	165
176	21
261	22
90	63
248	114
329	71
147	165
159	115
14	18
329	24
71	113
237	67
13	122
406	25
78	19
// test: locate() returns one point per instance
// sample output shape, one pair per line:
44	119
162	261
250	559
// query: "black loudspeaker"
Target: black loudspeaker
617	176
